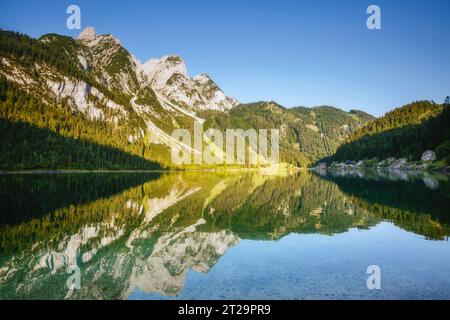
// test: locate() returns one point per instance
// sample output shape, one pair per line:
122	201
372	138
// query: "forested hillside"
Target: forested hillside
404	132
41	131
35	135
306	134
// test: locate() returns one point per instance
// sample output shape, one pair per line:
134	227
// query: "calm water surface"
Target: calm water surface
225	236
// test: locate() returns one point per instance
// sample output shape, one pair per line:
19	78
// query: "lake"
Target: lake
217	235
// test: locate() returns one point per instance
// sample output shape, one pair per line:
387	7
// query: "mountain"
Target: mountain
306	134
405	132
168	77
88	103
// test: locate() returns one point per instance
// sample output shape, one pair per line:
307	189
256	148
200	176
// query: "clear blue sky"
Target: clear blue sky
293	52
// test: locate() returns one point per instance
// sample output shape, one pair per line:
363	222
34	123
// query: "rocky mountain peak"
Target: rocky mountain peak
169	77
87	34
89	37
173	59
202	78
172	62
159	71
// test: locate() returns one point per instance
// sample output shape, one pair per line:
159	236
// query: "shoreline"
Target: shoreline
162	171
410	170
43	172
81	171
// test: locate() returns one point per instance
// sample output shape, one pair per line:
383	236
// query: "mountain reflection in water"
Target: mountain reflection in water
137	234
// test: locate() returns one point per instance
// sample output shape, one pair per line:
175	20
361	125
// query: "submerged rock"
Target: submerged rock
431	183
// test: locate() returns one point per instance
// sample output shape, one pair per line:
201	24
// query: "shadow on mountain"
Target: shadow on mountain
27	147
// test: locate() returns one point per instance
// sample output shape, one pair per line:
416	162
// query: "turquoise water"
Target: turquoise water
324	267
225	236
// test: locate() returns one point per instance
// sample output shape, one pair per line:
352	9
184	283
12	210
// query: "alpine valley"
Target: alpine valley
88	103
92	207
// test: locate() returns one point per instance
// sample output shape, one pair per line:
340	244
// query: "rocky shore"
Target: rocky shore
428	162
